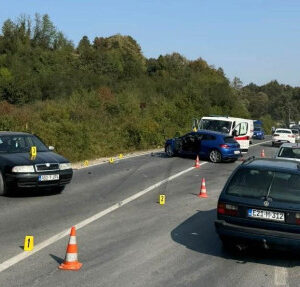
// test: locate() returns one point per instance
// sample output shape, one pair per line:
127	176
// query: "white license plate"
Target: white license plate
237	152
48	177
266	214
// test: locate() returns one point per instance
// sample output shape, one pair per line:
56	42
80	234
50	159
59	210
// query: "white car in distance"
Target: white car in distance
281	136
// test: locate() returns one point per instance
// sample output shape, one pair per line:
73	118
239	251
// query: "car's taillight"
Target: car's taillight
291	136
224	146
228	209
297	215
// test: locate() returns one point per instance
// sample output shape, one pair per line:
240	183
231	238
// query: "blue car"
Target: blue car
258	133
206	144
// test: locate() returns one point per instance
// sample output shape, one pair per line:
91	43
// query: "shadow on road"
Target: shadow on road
59	260
31	193
198	233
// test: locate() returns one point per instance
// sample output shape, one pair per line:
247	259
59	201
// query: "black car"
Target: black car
20	170
260	205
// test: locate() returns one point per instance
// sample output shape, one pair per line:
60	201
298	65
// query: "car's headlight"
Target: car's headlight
66	165
23	168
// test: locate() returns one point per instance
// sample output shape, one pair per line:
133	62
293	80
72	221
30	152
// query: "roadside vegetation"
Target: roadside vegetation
104	97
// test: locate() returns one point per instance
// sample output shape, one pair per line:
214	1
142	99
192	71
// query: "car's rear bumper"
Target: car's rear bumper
31	180
263	237
230	154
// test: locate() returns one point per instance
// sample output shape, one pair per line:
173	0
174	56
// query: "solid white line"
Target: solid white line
116	159
260	143
17	258
280	276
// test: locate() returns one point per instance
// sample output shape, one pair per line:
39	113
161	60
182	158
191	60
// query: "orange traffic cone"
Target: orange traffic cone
71	261
197	162
262	154
203	189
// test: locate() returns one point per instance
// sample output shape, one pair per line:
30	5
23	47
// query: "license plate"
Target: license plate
237	152
266	214
48	177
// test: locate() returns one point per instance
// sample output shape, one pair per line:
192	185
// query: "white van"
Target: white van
241	129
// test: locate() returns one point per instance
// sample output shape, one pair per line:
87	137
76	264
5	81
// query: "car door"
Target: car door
207	144
187	143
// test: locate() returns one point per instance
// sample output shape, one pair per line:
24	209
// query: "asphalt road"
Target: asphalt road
140	243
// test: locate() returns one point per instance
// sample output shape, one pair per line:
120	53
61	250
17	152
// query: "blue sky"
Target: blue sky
255	40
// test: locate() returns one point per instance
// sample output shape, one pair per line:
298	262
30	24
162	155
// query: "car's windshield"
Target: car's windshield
20	143
257	183
289	152
215	125
283	131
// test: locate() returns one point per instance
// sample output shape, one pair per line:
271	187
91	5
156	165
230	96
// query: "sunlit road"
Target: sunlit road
140	243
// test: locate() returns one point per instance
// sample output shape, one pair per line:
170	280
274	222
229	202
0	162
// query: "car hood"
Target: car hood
24	158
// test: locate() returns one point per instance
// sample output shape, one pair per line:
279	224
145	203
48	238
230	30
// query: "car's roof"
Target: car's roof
273	164
2	133
212	133
291	145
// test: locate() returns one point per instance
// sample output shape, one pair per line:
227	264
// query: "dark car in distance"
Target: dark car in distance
260	205
258	133
206	144
20	171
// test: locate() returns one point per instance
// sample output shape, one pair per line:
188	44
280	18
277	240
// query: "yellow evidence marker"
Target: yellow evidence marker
121	156
33	152
111	160
28	243
86	163
162	199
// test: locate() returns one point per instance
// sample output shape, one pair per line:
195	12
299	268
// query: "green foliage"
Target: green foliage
104	97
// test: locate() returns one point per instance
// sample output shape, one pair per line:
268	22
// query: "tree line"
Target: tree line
104	96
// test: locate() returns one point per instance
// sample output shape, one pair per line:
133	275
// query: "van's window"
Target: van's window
242	129
256	183
289	152
215	125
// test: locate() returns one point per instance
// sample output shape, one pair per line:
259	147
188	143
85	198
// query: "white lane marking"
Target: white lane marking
260	143
17	258
118	159
280	276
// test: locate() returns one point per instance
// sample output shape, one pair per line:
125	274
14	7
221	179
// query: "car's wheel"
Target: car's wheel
215	156
3	190
169	151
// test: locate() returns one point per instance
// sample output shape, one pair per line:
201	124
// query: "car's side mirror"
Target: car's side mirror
51	147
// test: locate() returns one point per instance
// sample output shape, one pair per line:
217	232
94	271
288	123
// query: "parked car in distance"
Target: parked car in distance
260	205
258	133
296	134
282	136
289	151
20	171
206	144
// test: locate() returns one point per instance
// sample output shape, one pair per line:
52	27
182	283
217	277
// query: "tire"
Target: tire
215	156
169	151
3	190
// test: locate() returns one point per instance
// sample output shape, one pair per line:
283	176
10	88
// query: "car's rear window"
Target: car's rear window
229	140
261	183
257	129
295	131
289	152
283	132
